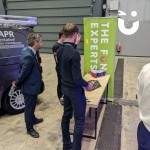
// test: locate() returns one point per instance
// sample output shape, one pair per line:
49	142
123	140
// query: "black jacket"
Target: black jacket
69	62
55	48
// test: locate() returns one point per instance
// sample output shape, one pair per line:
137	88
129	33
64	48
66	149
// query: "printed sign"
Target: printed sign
8	40
99	47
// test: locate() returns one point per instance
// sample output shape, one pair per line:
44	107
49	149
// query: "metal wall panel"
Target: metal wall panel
52	12
141	6
52	15
137	44
60	20
48	4
1	8
52	28
97	8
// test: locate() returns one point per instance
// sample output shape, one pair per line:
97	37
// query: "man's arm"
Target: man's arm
76	70
27	64
54	49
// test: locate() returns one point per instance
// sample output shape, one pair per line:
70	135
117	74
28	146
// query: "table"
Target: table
94	97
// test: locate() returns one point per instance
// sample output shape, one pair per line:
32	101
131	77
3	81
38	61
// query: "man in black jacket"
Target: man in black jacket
29	79
72	83
55	48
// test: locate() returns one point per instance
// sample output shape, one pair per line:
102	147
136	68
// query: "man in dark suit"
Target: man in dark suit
72	87
29	79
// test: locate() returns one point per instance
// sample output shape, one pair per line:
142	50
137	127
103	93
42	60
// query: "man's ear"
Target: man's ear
75	35
62	37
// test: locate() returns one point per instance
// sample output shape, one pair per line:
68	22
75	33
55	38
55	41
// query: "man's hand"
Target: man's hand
89	87
78	38
14	84
55	56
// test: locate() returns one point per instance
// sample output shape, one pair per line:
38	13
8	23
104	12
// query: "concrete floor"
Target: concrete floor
130	116
12	128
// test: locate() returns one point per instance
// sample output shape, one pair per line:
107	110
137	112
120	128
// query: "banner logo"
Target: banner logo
121	24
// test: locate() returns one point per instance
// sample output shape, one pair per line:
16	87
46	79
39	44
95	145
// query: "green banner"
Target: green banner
99	47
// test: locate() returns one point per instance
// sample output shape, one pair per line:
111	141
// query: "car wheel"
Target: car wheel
14	104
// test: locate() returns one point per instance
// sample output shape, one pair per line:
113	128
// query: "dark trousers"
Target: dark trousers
74	102
30	103
143	137
59	87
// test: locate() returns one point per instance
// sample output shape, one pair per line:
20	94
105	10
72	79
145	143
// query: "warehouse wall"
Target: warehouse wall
53	14
137	44
1	8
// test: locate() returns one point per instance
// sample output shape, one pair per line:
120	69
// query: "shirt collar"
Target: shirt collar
69	43
34	51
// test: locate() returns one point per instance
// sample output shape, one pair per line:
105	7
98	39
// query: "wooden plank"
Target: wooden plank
60	20
47	4
16	0
43	0
53	36
49	44
52	12
52	29
95	96
49	50
49	36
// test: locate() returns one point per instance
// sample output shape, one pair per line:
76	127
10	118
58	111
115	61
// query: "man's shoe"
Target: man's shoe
40	120
68	146
33	133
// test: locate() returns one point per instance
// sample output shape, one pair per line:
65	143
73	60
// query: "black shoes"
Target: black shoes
40	120
68	146
33	133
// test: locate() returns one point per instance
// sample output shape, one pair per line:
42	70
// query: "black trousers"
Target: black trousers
30	104
74	102
59	85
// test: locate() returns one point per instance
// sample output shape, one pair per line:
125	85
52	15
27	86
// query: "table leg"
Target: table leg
90	112
95	123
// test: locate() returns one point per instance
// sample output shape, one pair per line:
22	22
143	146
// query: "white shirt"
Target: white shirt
34	51
143	92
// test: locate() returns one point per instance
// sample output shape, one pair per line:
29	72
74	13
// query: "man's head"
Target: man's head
70	30
35	41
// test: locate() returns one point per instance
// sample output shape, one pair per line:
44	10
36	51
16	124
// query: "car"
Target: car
13	39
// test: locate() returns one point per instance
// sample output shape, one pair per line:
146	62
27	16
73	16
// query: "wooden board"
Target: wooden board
94	97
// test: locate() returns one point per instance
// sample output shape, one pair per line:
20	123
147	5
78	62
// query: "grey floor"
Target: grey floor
12	129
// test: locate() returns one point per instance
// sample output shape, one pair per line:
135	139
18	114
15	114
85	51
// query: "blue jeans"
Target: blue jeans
74	102
143	137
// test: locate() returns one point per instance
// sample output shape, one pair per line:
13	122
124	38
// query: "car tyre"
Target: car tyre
14	104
